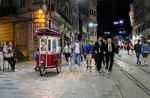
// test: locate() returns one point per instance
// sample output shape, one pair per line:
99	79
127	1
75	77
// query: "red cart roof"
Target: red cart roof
47	32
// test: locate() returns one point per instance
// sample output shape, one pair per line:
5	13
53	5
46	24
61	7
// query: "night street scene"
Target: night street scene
74	48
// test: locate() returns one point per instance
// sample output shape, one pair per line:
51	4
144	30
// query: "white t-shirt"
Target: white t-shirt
7	52
77	47
67	49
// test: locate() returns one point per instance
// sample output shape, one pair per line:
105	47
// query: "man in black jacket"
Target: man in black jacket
110	51
98	49
137	48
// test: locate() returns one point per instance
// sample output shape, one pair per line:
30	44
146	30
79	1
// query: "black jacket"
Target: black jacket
113	48
98	47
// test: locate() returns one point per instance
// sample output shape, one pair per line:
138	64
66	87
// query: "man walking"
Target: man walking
88	54
137	48
98	49
78	50
110	50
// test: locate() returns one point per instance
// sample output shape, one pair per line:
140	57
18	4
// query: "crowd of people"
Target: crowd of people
143	49
102	51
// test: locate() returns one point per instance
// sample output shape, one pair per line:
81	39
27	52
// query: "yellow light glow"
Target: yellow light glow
40	11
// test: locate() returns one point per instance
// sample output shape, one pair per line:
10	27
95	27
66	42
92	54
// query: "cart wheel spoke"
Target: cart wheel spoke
42	71
58	68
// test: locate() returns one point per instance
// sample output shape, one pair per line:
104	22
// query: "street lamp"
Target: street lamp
80	16
40	11
121	21
93	26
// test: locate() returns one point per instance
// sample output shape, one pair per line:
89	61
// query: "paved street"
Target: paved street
127	80
134	79
76	84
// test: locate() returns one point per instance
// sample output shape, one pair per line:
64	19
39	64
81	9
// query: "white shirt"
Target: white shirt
109	47
6	50
77	47
67	49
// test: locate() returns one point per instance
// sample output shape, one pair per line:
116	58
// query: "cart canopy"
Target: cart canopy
47	32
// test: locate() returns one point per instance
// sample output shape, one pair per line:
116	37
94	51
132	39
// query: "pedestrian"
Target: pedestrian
88	54
104	53
128	48
145	49
137	48
8	56
36	55
95	53
99	53
67	52
78	52
110	51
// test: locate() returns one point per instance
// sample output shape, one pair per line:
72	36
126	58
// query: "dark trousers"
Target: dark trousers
109	61
95	58
67	55
11	61
104	59
99	61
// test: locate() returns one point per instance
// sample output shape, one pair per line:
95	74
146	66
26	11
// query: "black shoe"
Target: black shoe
87	67
100	71
110	69
139	62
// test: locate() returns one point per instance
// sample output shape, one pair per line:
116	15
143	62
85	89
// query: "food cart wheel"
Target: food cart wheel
36	69
58	68
42	71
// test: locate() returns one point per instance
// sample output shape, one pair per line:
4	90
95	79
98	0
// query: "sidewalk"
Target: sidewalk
76	84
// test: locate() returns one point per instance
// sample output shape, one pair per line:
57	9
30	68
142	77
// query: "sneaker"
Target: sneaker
100	71
16	70
77	67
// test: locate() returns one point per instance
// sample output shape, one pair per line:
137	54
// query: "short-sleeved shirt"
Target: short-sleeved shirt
77	47
88	49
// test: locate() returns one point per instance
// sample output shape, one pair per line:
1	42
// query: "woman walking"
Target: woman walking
67	52
145	49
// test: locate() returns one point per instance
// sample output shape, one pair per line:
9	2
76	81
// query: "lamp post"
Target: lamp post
93	26
80	17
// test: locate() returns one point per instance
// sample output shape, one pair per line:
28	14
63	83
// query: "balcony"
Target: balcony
4	11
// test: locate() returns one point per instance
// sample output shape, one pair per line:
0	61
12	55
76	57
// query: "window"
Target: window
49	45
54	44
43	44
22	3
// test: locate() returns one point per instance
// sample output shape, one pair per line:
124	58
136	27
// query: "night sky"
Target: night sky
113	10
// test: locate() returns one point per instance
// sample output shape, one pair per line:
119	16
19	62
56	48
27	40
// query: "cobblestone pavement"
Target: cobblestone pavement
26	83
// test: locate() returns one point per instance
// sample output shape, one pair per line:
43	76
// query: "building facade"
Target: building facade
141	19
19	19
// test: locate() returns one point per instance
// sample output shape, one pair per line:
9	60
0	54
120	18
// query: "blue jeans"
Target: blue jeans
77	58
138	55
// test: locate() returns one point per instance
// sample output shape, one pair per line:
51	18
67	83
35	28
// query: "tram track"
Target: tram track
145	71
118	85
144	88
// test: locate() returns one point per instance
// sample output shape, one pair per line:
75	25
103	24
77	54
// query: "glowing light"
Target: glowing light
40	11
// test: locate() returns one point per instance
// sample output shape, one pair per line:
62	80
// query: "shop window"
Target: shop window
22	3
